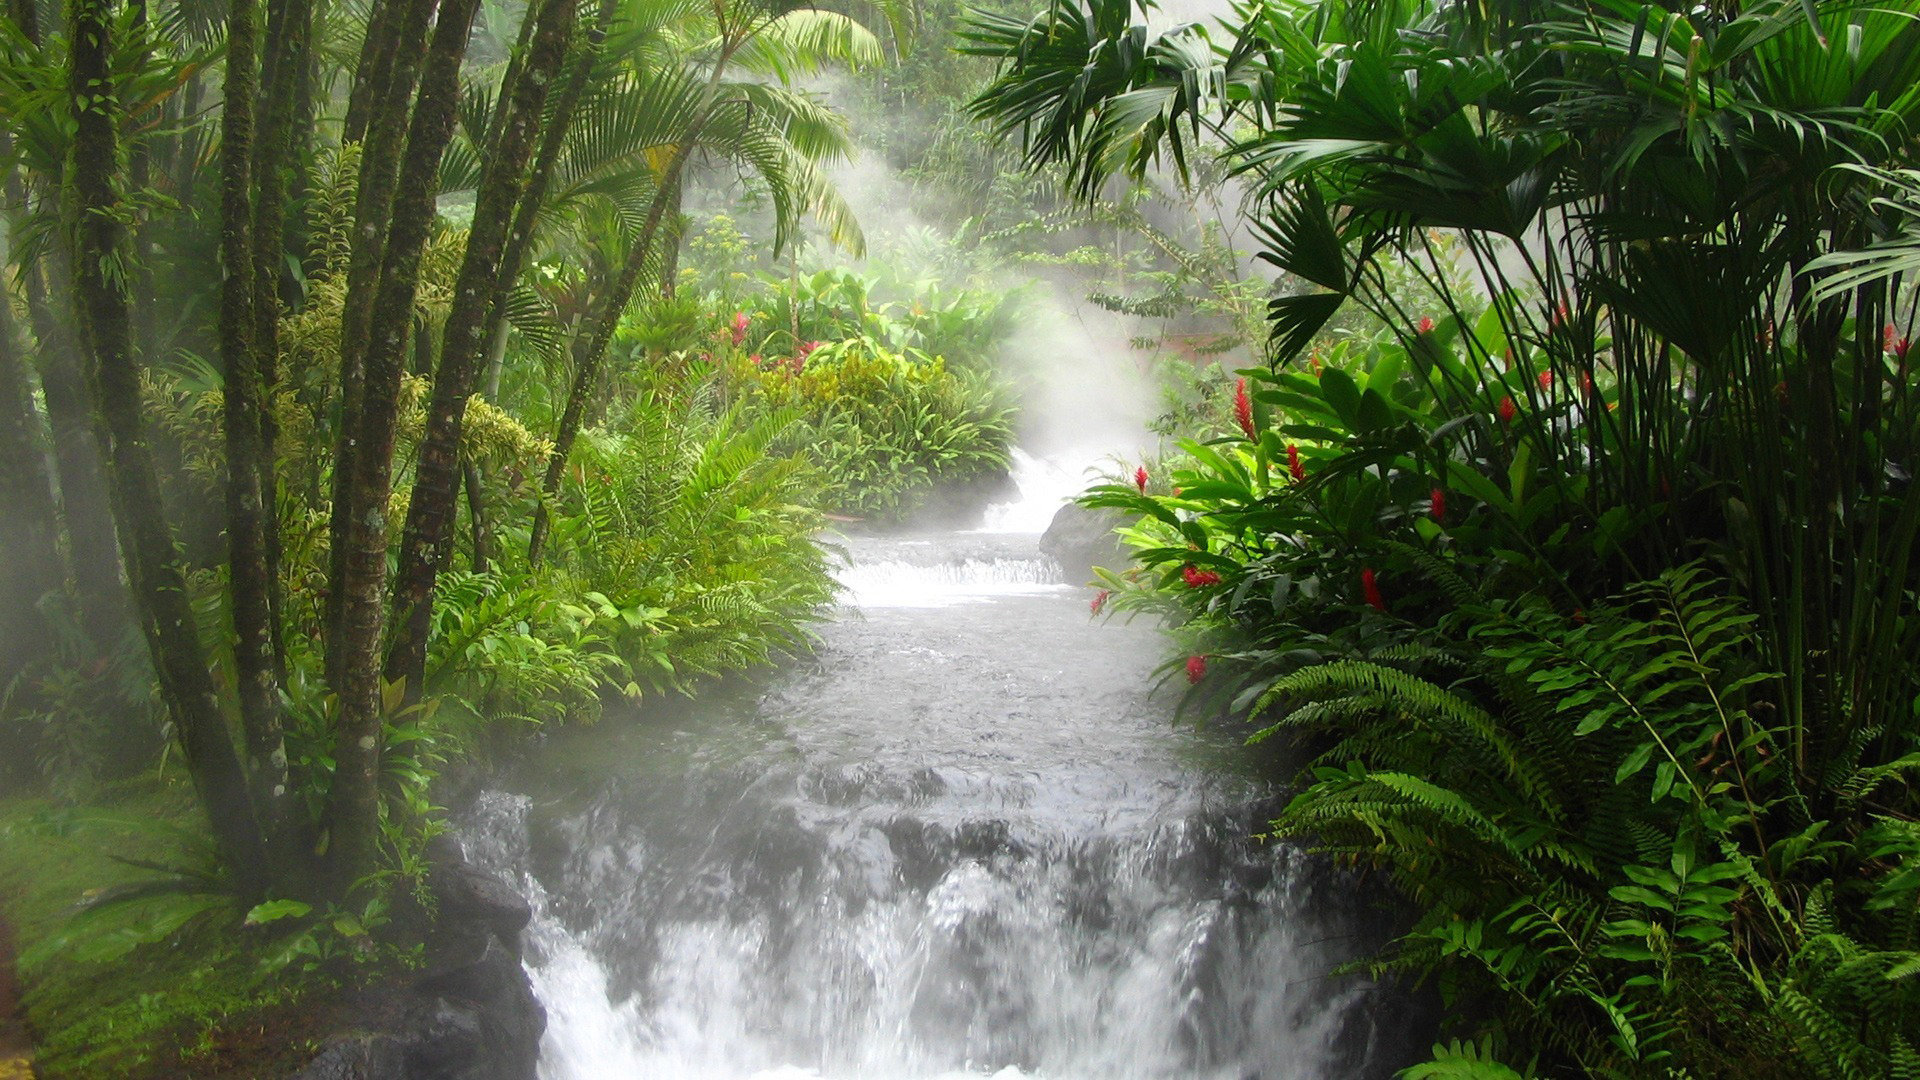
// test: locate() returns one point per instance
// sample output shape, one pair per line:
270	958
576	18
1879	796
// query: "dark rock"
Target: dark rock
466	893
363	1056
962	504
470	1013
1081	538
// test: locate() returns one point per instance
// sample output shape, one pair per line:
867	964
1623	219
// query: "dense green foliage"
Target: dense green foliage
1587	587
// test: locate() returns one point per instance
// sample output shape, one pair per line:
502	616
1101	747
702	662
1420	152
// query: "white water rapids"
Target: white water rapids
962	839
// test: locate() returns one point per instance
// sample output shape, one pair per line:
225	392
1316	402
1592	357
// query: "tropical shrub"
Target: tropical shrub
687	542
1586	593
889	428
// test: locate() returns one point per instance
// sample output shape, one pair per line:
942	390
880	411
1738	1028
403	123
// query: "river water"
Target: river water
962	838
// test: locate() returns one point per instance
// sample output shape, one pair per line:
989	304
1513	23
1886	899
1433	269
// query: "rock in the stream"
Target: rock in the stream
470	1013
1081	538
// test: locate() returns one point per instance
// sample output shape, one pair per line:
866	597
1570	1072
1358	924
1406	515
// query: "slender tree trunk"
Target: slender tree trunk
526	216
249	515
587	364
370	75
385	130
146	331
477	515
289	32
353	805
28	530
437	474
587	360
159	591
85	506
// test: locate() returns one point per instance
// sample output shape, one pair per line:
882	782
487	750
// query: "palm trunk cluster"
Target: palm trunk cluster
93	450
146	544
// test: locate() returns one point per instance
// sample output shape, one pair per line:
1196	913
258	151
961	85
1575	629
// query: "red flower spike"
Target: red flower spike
1099	601
1887	337
1243	409
1900	350
755	360
1196	668
1508	410
1371	587
1439	501
1546	380
740	321
1140	479
1197	578
1294	465
1426	325
807	347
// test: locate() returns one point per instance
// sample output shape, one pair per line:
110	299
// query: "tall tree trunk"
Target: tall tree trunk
482	535
526	216
160	593
391	94
249	514
437	475
85	505
28	530
370	74
290	30
353	806
146	333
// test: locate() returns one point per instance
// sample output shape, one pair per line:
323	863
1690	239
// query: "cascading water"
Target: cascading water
961	839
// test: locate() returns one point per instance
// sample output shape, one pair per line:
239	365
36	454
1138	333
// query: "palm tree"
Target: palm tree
694	110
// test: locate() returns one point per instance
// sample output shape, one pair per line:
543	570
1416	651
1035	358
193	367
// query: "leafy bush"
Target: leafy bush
689	545
887	427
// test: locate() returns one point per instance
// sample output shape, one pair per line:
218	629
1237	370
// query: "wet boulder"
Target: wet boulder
470	1012
1081	538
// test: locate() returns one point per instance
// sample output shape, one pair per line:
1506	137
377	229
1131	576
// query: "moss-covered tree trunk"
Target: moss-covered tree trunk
389	95
250	516
484	279
284	69
159	591
352	821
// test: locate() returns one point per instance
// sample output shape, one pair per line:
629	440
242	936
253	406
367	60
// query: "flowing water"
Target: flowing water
963	838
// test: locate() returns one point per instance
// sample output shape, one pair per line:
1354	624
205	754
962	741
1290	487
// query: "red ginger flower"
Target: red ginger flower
1546	380
1439	501
807	347
1140	479
740	321
1243	409
1888	335
1371	588
1099	601
1508	410
1198	578
1294	466
1426	325
1196	668
755	360
1900	350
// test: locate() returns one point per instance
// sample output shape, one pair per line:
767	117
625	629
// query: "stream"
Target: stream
962	838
